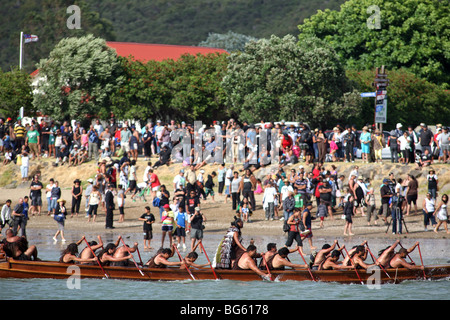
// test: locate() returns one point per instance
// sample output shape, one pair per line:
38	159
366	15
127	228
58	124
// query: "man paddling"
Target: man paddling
17	247
122	252
385	256
279	261
271	251
398	261
246	261
86	253
323	254
106	256
191	258
332	262
161	259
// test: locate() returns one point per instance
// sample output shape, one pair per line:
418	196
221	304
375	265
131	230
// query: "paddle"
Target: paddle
98	261
137	267
309	270
139	255
185	265
374	260
351	261
215	275
421	260
407	253
267	267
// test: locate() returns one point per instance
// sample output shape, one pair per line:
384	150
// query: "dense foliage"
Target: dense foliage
413	34
77	79
186	89
411	100
230	41
277	79
48	20
15	92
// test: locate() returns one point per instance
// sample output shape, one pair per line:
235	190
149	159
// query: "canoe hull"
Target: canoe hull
54	270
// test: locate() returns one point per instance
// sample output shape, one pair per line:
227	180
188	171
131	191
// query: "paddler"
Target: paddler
122	252
86	253
280	260
160	260
398	261
246	261
332	262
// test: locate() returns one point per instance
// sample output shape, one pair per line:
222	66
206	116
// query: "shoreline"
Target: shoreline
218	214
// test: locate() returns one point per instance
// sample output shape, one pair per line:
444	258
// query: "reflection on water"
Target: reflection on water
433	252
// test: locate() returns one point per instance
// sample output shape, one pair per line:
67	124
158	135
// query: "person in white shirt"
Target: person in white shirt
179	182
6	215
146	177
48	190
270	193
25	166
228	177
405	147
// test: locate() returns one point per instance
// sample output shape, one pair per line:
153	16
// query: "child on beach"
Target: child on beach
24	166
148	219
348	212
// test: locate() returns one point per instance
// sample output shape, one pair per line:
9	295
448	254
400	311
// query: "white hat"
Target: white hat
399	125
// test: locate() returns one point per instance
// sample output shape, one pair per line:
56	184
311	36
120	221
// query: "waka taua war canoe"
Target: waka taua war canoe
10	268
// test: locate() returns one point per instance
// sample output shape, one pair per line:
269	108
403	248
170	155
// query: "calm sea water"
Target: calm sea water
433	252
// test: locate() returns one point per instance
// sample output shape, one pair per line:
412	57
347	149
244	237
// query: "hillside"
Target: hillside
189	22
149	21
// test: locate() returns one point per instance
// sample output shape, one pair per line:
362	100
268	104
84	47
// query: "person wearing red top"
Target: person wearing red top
153	182
286	141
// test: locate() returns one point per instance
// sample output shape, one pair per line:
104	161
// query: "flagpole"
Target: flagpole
21	49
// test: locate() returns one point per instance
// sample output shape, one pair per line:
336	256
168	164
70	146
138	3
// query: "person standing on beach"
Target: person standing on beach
148	219
77	193
109	203
36	199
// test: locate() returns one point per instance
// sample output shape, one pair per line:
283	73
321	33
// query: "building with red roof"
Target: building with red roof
158	52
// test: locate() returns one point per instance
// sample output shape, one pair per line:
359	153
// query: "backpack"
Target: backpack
156	202
286	227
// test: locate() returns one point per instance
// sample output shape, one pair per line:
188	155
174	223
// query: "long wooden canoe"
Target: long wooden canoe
10	268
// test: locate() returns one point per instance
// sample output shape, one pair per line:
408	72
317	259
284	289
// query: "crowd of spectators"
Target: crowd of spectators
73	144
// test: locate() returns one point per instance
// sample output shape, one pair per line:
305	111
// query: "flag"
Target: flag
30	38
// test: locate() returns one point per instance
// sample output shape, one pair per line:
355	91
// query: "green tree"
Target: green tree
15	92
184	89
230	41
412	34
77	79
406	93
278	78
48	20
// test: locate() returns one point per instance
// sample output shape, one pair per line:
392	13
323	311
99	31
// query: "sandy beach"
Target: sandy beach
219	215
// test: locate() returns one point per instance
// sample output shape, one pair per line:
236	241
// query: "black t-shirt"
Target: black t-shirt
192	203
385	190
209	182
45	130
149	217
425	137
164	199
432	183
197	222
36	193
326	196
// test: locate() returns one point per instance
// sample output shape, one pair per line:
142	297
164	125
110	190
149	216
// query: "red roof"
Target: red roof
158	52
